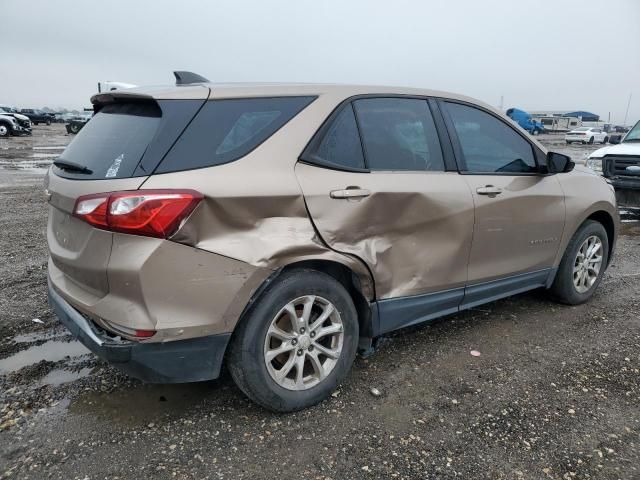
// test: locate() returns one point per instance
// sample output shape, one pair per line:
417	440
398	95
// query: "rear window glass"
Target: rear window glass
112	143
225	130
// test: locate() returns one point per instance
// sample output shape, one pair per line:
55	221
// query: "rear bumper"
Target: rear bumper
180	361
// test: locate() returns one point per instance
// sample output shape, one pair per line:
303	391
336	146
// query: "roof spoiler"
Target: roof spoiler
187	78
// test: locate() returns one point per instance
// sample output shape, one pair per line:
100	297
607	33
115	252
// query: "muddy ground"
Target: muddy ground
554	394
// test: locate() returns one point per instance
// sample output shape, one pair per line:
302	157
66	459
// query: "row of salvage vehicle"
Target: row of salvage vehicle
14	122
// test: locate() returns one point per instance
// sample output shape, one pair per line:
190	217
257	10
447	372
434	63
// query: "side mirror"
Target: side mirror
559	163
615	139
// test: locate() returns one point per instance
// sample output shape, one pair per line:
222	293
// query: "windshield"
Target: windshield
634	134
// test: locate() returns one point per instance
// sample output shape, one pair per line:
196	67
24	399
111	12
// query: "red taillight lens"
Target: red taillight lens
152	213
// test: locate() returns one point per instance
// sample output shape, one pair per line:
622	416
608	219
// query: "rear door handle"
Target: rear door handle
489	190
350	193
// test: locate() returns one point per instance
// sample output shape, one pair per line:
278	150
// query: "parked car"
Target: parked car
587	135
37	116
620	164
75	124
13	123
279	228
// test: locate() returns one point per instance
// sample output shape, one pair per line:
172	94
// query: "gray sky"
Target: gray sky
561	55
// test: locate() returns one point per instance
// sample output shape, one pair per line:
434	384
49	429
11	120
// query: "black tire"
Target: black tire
74	128
591	141
6	130
569	143
48	122
605	141
245	357
563	289
35	123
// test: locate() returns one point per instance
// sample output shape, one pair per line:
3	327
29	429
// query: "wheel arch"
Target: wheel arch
350	280
345	275
606	220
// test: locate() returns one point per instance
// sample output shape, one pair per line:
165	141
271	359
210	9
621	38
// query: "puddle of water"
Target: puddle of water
37	336
59	376
143	403
53	351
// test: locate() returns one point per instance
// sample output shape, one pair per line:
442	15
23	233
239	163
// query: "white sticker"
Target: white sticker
115	166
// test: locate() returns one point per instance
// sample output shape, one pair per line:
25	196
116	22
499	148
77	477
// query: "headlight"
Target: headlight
595	164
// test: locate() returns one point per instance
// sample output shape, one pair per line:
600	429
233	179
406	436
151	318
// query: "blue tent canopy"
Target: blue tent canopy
586	116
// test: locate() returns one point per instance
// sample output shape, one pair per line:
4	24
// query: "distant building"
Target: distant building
581	114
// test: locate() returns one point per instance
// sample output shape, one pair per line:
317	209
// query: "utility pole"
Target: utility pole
627	112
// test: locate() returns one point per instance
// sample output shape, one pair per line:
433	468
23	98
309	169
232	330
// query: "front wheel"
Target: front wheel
605	141
582	265
5	130
296	343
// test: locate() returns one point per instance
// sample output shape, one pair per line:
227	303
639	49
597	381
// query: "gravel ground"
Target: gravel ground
555	393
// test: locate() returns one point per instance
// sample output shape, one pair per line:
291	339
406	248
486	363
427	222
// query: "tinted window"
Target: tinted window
488	144
398	134
225	130
113	141
340	144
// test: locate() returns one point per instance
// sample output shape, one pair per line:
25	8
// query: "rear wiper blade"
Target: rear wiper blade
72	167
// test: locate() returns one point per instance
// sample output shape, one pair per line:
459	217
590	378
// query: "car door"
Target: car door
519	212
376	187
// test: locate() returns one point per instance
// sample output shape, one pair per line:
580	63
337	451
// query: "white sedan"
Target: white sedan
587	135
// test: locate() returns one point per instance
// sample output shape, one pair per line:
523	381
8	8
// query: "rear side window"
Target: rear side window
340	145
399	134
112	143
226	130
488	144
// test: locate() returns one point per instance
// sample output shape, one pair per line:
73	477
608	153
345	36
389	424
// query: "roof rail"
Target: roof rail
186	78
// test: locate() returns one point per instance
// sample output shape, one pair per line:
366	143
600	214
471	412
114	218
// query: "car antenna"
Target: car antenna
187	78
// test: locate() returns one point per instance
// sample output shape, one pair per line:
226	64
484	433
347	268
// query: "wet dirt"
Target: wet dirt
554	393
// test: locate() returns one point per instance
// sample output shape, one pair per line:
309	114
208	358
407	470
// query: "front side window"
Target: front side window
399	134
488	144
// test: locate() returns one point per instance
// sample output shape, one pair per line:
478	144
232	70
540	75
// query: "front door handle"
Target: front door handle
489	190
350	193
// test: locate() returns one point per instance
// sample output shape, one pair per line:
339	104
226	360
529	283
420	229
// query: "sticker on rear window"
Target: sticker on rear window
115	166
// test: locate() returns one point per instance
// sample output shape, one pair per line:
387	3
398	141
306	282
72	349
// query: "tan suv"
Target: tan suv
280	228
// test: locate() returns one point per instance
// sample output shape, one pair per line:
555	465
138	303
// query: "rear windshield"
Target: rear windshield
112	143
225	130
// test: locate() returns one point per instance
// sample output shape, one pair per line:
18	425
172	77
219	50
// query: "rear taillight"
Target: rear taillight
151	213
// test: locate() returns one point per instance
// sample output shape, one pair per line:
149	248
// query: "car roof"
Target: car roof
266	89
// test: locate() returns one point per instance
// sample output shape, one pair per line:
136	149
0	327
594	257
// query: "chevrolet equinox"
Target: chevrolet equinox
279	228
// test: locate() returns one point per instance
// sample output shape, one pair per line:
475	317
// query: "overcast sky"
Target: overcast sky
565	55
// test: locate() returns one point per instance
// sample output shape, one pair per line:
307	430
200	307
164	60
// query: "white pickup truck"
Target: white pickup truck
620	163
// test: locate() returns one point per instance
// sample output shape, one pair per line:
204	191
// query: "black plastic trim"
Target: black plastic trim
180	361
394	313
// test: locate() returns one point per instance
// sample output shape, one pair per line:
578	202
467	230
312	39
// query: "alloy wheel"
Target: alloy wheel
587	264
304	342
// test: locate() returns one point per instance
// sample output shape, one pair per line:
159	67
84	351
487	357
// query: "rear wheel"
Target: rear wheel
569	143
74	128
591	141
582	265
297	342
48	122
605	141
